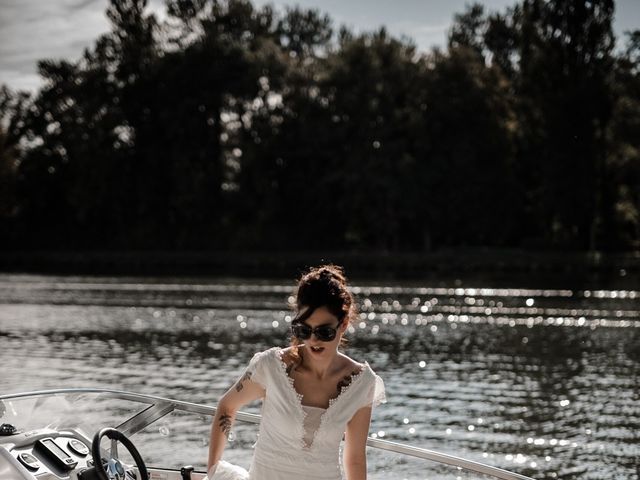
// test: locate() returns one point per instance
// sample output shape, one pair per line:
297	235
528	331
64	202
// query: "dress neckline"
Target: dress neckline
333	400
298	396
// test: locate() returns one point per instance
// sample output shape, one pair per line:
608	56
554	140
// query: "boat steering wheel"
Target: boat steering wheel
114	469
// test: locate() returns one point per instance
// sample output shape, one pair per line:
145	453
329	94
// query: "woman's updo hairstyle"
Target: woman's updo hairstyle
324	286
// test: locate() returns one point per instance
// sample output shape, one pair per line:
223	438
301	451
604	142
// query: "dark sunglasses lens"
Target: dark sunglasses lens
301	331
325	333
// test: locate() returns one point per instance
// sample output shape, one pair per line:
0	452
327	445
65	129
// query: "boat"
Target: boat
104	434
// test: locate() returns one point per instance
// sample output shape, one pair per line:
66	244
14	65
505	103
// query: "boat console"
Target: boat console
48	454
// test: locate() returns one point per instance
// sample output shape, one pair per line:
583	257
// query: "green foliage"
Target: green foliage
471	192
371	84
565	90
232	127
623	161
13	108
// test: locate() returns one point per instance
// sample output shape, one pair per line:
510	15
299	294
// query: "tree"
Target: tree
13	108
76	131
565	107
623	159
232	127
372	83
284	141
468	171
205	94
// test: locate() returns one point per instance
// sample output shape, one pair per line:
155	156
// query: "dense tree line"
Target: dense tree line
232	127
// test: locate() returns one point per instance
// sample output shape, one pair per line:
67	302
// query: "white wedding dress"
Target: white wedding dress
297	442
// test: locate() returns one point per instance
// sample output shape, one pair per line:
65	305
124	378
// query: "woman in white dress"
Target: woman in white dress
313	395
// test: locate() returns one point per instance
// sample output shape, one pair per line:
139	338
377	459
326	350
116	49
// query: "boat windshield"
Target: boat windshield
84	411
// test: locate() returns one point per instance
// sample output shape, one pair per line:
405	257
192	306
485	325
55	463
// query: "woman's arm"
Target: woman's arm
355	445
242	392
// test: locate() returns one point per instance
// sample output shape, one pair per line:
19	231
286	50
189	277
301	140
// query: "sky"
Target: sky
31	30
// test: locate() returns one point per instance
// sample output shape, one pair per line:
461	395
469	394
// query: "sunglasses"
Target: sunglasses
324	333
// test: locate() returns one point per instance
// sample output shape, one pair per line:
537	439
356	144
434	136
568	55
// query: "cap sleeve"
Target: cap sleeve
375	394
256	370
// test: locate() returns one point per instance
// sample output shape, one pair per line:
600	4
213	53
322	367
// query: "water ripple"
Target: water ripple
543	382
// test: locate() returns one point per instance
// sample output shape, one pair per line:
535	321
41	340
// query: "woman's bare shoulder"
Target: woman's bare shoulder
351	365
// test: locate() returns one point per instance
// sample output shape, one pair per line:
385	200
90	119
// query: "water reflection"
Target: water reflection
543	382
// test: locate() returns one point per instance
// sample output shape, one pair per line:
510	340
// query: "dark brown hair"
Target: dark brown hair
323	286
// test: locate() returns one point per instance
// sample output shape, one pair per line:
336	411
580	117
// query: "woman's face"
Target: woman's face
321	316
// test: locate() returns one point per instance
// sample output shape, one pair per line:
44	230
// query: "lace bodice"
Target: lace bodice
283	444
312	419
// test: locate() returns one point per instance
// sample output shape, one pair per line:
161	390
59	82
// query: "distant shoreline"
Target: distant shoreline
490	267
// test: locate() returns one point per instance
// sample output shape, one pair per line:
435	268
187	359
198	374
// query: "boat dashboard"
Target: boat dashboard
48	454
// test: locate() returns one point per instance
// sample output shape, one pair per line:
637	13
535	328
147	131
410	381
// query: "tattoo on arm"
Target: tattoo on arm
239	385
225	424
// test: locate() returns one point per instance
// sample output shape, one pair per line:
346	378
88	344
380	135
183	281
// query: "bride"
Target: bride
312	395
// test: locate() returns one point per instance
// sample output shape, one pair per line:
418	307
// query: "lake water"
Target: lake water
541	382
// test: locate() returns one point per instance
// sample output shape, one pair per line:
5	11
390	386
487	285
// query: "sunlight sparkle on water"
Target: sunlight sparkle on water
405	316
